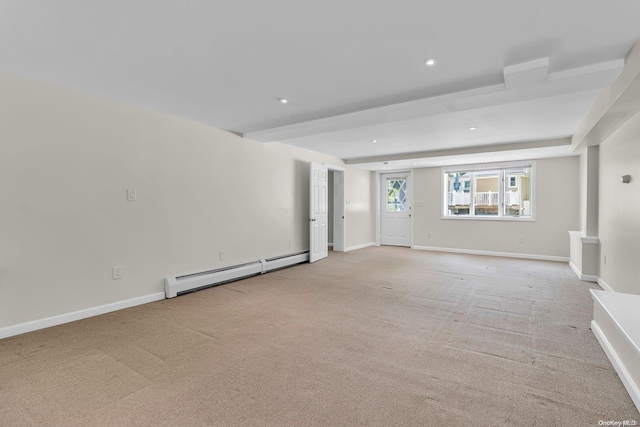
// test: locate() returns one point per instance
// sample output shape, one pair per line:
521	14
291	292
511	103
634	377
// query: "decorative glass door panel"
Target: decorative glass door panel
396	195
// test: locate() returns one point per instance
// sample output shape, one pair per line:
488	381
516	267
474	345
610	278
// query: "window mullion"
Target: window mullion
472	197
501	196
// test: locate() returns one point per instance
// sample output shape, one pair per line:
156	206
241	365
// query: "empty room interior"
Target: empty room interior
278	213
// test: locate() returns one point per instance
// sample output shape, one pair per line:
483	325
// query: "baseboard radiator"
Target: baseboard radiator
174	286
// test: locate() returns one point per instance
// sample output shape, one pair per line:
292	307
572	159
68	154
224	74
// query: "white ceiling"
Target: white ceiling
352	70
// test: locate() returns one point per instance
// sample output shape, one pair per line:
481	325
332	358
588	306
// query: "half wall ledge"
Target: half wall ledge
616	325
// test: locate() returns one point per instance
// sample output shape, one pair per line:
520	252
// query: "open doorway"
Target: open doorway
331	213
336	210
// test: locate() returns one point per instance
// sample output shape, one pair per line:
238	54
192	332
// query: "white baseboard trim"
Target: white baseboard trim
589	278
330	245
628	382
491	253
47	322
583	277
575	270
362	246
604	285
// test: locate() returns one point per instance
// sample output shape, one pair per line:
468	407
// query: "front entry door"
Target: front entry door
395	209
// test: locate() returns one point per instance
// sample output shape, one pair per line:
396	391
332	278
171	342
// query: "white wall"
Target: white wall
590	161
67	159
360	199
619	219
557	212
583	170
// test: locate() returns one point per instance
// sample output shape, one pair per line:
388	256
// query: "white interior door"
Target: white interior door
318	231
395	209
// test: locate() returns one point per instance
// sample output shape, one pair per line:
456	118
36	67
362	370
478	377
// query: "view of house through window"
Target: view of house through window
491	192
397	194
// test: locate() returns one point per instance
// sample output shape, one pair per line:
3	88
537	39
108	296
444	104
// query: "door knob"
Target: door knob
312	219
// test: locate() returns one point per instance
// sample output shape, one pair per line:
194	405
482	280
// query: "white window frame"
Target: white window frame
500	168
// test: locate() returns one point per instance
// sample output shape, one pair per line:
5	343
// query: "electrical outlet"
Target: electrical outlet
428	235
521	239
131	195
117	272
223	256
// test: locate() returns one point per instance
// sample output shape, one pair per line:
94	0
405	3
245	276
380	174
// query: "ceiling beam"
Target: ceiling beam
374	116
526	81
614	106
494	148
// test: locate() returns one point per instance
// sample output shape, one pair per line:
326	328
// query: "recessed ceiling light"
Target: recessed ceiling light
430	62
282	100
373	140
473	128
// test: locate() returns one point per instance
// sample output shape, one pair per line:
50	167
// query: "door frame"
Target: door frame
379	201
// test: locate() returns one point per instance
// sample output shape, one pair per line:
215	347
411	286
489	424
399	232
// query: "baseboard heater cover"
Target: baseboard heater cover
174	286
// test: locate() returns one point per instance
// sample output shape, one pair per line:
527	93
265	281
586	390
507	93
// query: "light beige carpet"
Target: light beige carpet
377	337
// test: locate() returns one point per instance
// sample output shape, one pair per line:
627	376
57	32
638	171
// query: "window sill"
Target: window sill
490	218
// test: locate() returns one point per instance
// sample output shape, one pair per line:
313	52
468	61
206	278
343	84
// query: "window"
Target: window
396	195
497	191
